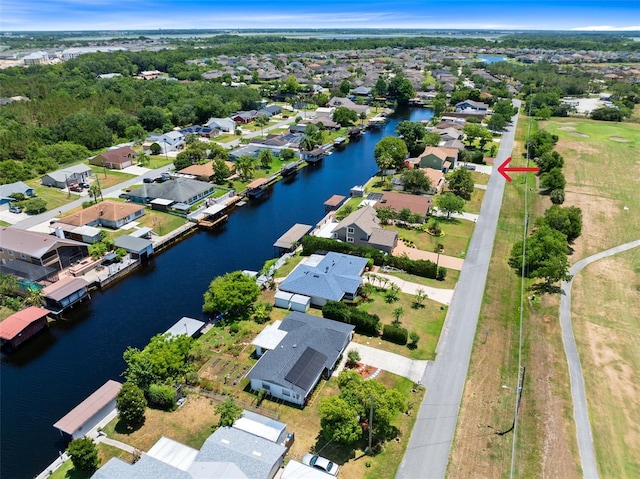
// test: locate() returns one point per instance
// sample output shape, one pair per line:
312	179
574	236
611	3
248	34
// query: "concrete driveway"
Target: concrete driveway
394	363
442	296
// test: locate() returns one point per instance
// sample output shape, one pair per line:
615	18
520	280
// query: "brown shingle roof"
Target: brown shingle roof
107	210
118	155
398	201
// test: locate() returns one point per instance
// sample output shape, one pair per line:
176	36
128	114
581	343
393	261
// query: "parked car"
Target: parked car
160	179
84	185
15	209
147	180
77	188
166	175
321	463
470	167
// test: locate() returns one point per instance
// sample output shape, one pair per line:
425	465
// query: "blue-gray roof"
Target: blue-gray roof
181	190
336	275
17	187
254	456
324	336
146	468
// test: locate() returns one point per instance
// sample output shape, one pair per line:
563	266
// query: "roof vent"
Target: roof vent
256	453
295	345
225	441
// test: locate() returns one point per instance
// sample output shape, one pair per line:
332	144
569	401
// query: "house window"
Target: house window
349	239
285	392
266	386
350	230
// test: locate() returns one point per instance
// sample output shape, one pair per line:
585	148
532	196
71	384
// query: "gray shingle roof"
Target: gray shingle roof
324	336
181	190
365	218
336	275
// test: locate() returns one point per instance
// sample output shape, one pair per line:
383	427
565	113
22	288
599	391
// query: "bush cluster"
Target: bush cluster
395	334
364	322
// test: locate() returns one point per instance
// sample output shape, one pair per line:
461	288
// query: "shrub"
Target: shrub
414	337
442	274
353	357
363	322
84	455
395	334
192	378
162	397
557	196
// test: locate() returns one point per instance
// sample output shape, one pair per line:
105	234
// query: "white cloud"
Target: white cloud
608	28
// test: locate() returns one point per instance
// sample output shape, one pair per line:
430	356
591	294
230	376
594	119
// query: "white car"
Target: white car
320	463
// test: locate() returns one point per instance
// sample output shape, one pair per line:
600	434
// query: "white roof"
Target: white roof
270	336
297	470
140	232
162	201
213	209
188	326
86	230
173	453
260	426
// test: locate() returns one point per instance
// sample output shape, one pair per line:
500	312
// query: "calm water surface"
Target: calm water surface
60	368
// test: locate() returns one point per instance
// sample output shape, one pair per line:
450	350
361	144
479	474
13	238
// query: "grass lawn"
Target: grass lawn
161	222
474	204
288	266
546	440
480	178
53	196
111	177
457	234
158	161
448	283
105	453
426	321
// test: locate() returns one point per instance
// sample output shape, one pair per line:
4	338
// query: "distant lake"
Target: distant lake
491	58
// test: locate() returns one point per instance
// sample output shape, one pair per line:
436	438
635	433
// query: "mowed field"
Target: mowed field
603	179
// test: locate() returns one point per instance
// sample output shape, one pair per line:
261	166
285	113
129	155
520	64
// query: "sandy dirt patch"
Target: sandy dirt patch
413	253
567	128
619	139
580	135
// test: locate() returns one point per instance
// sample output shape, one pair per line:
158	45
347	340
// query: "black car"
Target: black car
147	180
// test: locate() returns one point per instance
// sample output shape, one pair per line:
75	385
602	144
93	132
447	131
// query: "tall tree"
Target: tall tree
261	120
131	405
245	165
265	157
413	134
460	182
553	180
415	181
344	116
84	455
394	147
449	203
229	412
567	220
401	88
231	294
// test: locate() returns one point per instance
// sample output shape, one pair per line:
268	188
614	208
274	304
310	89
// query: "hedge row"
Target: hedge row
419	267
364	322
395	334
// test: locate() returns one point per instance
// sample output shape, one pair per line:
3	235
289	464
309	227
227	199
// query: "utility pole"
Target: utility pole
370	420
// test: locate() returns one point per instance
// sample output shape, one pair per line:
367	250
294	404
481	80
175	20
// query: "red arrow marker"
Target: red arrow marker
504	171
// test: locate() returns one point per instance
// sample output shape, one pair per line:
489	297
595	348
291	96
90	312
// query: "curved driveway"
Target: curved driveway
580	412
428	450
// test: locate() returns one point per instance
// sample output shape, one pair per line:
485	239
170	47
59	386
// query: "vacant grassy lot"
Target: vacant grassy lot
474	204
448	283
606	308
546	436
53	196
108	178
457	234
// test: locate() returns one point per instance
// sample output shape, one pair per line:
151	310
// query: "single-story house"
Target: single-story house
137	247
107	213
115	159
244	116
18	187
179	190
435	157
310	349
204	131
40	249
332	277
225	125
22	326
345	102
417	204
65	293
229	453
362	228
470	106
67	176
361	91
86	415
205	171
86	234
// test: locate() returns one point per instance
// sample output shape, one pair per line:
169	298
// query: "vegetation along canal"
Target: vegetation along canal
45	380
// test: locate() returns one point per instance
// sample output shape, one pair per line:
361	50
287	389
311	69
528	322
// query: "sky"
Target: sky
21	15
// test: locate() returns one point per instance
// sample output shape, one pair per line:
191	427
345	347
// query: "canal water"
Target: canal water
60	368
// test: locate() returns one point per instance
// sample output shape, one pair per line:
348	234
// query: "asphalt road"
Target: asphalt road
428	449
580	412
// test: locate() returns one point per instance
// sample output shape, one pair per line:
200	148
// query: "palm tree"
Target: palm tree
261	120
307	143
143	159
95	191
363	117
397	314
33	297
245	165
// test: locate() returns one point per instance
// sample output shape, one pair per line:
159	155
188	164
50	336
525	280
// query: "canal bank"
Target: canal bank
64	365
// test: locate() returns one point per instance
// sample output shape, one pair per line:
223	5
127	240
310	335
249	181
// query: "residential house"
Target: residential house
361	91
332	277
309	348
470	106
107	213
229	452
177	190
270	111
244	116
222	125
170	141
40	249
67	176
13	188
205	171
362	228
435	157
417	204
204	131
345	102
116	159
